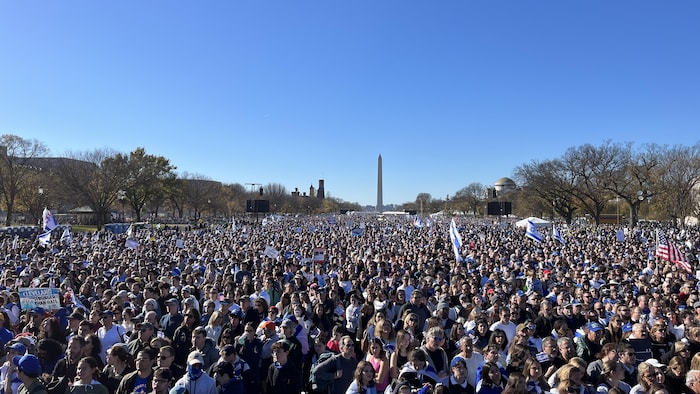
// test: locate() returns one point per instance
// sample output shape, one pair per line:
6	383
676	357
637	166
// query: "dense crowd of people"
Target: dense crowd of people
353	304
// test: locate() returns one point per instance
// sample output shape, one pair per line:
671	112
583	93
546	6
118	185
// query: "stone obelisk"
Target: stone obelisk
380	202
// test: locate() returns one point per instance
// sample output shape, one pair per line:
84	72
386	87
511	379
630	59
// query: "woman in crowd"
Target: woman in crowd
119	363
214	326
399	357
675	375
379	361
611	374
93	348
534	377
516	384
86	378
364	380
491	380
647	375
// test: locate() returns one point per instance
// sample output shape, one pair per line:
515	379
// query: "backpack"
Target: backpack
319	385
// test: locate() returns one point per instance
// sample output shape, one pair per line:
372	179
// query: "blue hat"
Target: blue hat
38	311
18	347
29	364
175	272
627	327
593	326
456	360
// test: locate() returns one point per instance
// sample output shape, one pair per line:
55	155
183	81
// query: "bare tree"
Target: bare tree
198	193
94	178
17	168
472	195
590	167
679	176
552	182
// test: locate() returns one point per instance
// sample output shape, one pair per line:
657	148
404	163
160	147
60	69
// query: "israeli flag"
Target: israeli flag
49	221
556	234
532	233
455	238
66	237
44	238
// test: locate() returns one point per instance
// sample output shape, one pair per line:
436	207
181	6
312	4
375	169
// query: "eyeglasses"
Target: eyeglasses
573	389
349	344
161	380
438	339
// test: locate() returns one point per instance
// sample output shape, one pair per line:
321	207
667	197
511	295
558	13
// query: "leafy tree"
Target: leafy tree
146	179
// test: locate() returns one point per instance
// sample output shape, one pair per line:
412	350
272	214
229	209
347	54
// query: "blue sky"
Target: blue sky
448	92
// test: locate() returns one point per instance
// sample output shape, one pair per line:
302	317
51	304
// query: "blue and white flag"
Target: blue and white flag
44	238
556	234
418	223
131	243
66	237
233	224
15	242
455	238
532	233
49	221
271	252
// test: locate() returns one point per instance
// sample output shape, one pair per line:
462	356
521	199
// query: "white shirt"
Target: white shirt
109	338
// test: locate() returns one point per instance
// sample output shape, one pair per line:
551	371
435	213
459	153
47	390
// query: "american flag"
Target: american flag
668	251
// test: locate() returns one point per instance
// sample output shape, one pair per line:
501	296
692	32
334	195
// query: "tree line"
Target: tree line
593	181
139	184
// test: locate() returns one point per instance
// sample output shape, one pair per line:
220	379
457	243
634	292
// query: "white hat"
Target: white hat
195	357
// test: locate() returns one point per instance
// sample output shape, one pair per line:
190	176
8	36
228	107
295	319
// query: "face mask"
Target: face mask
194	373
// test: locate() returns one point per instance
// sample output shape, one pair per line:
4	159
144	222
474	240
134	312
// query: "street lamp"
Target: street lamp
121	196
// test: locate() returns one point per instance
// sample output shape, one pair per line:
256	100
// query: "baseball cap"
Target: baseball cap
18	347
443	305
593	326
172	301
268	325
456	360
107	314
654	363
29	364
195	357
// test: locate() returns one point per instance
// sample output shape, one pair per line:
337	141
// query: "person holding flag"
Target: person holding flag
455	238
666	250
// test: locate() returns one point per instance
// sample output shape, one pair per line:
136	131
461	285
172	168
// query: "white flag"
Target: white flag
66	237
532	233
455	238
44	238
49	221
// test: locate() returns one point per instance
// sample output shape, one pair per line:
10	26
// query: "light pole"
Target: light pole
41	203
121	196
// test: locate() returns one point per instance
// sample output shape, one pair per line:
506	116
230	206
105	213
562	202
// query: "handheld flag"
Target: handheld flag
532	233
44	238
49	221
455	238
66	237
556	234
666	250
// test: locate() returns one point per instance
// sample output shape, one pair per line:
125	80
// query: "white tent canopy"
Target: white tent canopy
536	221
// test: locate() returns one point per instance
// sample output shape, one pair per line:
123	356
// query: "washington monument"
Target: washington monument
380	203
